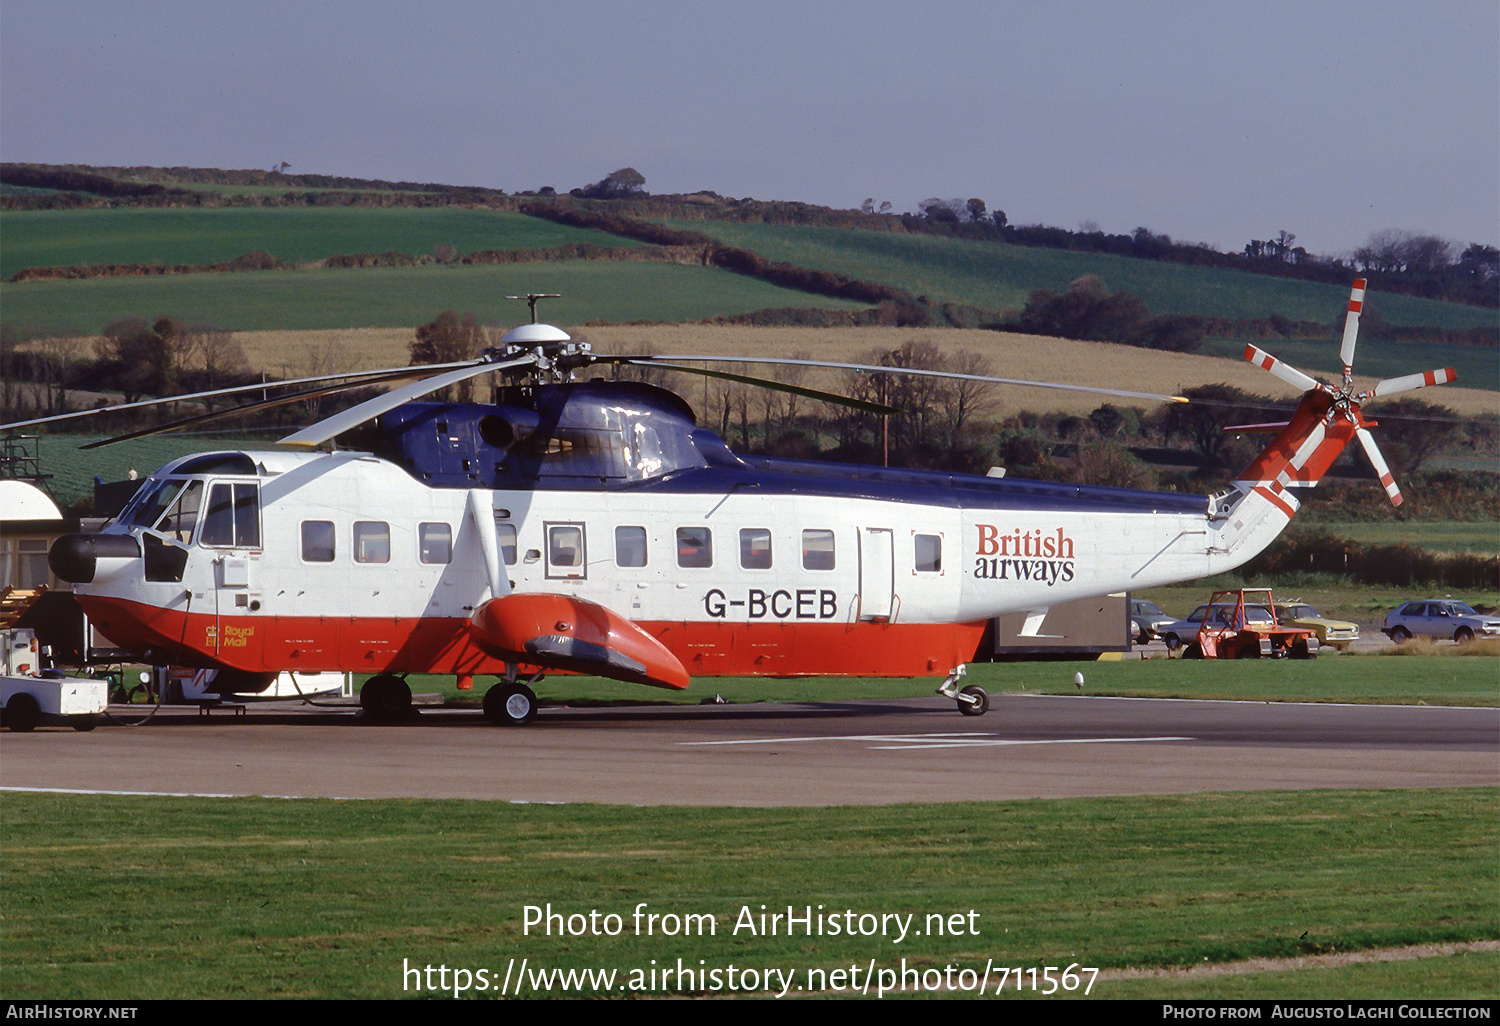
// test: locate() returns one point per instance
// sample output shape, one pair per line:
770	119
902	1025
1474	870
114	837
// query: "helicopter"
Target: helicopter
591	526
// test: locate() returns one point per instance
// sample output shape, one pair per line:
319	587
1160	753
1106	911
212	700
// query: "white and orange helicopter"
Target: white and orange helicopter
591	526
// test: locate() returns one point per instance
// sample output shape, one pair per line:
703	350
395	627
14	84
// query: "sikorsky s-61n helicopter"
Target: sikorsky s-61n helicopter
591	526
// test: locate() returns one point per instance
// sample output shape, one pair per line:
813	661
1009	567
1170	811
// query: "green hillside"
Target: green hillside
399	297
998	276
1379	358
291	234
74	470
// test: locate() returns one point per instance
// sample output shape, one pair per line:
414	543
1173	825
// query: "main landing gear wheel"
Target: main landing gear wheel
385	698
972	701
510	705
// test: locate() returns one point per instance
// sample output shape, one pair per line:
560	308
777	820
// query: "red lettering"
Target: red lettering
988	533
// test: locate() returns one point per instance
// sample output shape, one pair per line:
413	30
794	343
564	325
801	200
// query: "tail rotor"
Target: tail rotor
1340	404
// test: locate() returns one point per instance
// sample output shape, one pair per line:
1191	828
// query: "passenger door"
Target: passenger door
877	574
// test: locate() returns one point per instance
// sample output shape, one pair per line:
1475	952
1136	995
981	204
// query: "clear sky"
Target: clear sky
1211	122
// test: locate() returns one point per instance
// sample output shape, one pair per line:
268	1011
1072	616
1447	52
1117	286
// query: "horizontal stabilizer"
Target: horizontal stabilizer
1255	429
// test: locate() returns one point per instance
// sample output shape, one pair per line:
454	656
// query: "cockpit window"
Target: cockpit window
179	522
151	502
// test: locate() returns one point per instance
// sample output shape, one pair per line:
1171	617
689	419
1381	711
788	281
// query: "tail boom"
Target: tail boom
1304	450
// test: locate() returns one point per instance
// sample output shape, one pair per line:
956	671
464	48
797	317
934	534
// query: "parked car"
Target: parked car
1439	618
1338	633
1145	619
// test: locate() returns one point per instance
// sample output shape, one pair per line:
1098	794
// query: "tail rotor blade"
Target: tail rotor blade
1351	326
1390	386
1285	371
1387	481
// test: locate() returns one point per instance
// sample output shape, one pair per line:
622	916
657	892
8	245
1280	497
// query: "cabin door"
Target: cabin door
877	573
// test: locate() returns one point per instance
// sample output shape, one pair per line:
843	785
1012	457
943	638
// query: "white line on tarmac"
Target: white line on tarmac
917	742
212	794
1249	701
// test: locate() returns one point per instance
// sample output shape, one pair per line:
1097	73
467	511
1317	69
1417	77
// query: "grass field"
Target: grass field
123	898
1480	536
999	276
390	297
1380	358
1445	679
291	234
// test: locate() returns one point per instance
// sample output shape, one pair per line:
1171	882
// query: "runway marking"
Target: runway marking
1253	701
215	794
919	742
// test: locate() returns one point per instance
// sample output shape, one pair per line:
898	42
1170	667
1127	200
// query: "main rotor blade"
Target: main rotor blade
1351	326
1387	481
780	386
881	369
369	377
1390	386
264	404
1285	371
323	430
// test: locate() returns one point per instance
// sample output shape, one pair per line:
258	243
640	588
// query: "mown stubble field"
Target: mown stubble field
1011	355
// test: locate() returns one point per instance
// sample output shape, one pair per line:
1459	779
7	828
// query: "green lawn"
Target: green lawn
1478	536
1378	358
398	297
125	898
997	276
291	234
1445	679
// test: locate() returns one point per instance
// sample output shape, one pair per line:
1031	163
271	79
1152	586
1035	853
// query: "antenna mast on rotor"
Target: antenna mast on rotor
532	297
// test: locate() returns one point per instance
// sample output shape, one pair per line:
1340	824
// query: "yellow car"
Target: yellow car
1338	633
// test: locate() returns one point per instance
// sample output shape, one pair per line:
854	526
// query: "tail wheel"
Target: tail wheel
22	713
510	705
385	697
978	702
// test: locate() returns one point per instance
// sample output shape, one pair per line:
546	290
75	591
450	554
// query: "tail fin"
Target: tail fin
1250	515
1301	453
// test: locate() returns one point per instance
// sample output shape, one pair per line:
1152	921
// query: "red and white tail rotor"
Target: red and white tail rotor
1343	403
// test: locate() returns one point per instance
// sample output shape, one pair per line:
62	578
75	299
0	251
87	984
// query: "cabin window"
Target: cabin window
435	543
565	555
928	555
695	547
317	541
372	541
817	550
755	548
505	534
233	516
630	546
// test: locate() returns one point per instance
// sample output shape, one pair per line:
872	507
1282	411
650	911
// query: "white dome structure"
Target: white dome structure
22	501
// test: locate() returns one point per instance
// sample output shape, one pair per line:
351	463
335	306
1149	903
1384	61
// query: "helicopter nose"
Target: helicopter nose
75	557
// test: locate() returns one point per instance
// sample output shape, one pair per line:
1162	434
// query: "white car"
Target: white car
1439	618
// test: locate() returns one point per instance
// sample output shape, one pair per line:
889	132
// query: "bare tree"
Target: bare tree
450	338
961	400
